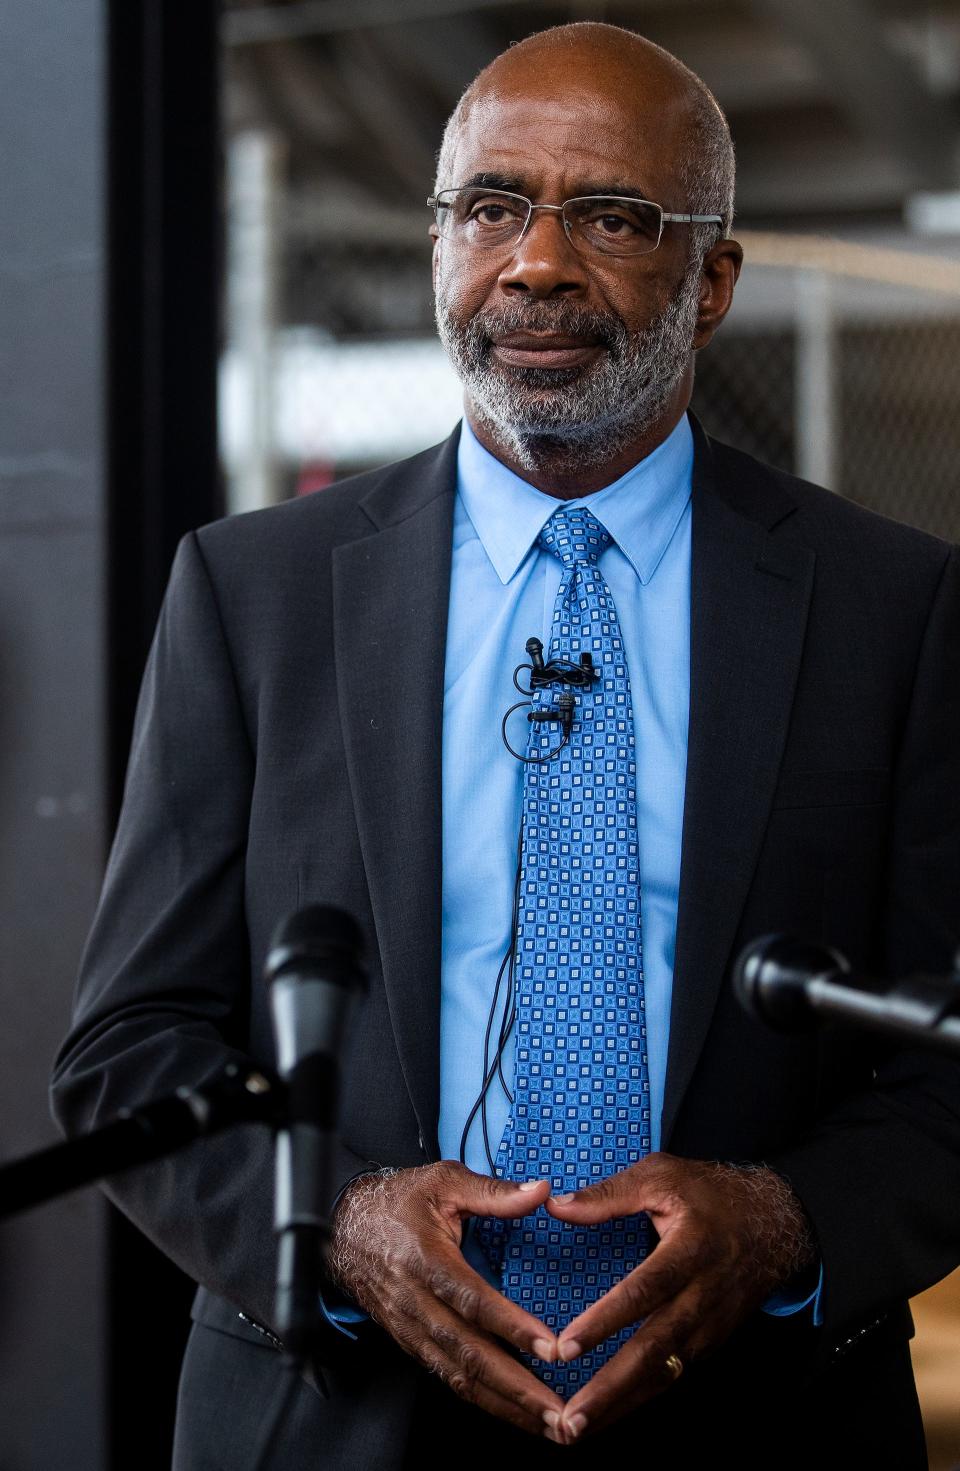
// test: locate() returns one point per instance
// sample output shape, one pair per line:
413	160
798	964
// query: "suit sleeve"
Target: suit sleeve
163	992
880	1175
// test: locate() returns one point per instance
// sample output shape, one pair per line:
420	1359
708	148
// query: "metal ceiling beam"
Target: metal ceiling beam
446	53
378	99
328	216
878	89
326	17
747	66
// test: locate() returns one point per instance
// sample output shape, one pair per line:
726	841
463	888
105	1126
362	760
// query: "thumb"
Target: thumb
483	1195
605	1200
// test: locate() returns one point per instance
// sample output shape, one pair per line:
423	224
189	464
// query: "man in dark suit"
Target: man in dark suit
288	750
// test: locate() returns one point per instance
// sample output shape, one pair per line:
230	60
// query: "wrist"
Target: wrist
350	1227
783	1241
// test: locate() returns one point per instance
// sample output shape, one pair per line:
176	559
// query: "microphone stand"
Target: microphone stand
237	1095
794	985
314	966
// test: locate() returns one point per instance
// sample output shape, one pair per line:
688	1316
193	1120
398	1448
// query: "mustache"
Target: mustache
605	328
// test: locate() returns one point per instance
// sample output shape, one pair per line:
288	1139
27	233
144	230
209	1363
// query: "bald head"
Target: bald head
590	57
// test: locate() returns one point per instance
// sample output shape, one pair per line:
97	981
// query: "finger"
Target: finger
667	1271
649	1185
617	1195
493	1364
478	1370
638	1372
471	1194
476	1302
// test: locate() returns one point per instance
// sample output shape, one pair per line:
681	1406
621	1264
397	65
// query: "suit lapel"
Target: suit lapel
391	591
750	595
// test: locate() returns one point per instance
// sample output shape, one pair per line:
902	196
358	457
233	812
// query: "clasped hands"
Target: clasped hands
729	1236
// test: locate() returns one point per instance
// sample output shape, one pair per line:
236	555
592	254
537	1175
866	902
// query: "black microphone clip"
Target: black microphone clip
558	671
561	711
565	704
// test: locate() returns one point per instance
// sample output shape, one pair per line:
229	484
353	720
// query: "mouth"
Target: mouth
544	350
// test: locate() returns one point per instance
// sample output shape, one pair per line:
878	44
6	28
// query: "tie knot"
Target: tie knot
574	535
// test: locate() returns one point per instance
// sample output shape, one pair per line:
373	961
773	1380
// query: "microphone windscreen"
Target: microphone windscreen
320	938
770	977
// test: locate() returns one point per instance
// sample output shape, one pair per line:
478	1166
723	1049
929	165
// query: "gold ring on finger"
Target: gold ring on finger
674	1365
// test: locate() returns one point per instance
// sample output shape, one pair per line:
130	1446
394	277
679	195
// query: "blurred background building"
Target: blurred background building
215	294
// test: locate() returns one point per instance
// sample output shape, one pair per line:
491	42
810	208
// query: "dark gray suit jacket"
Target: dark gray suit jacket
287	751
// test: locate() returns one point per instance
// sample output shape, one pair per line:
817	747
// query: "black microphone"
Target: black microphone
793	985
534	649
314	968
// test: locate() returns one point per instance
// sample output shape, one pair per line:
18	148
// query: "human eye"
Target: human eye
611	216
489	210
617	221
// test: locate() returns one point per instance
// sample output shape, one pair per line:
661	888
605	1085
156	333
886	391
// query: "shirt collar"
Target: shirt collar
640	510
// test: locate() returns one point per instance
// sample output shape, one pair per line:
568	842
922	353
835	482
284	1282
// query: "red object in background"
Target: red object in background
314	475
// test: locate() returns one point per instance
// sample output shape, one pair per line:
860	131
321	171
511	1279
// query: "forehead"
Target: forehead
585	138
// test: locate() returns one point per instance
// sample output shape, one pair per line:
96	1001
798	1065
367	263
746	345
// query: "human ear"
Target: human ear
719	273
435	264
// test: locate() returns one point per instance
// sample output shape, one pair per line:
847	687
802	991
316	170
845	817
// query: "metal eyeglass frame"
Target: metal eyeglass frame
434	203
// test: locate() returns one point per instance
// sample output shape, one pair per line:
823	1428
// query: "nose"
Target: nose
543	262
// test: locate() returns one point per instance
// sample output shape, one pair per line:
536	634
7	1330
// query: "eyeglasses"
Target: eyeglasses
595	224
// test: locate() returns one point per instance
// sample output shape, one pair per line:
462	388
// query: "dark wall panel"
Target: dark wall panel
163	314
53	1327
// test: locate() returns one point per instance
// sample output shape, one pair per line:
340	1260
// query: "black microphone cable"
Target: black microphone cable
491	1069
560	670
569	674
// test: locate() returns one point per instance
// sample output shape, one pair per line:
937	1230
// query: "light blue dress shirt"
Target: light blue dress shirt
502	591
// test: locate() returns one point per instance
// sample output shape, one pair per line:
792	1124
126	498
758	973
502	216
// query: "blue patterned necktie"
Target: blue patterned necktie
581	1095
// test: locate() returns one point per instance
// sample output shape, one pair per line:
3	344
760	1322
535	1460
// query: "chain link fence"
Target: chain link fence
858	386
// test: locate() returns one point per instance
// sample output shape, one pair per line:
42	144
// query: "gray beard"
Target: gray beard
569	418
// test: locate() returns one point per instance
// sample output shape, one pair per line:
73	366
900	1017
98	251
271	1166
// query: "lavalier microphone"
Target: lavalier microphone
558	671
